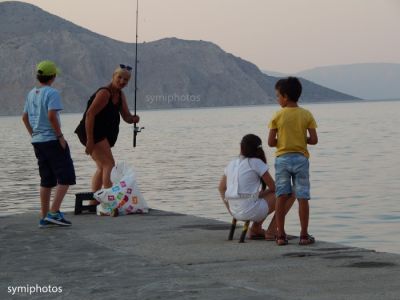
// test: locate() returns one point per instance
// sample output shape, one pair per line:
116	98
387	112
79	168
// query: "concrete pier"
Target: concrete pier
165	255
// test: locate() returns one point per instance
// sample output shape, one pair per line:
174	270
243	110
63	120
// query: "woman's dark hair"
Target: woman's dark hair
44	78
251	147
290	87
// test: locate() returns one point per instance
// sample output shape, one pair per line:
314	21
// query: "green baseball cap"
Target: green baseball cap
47	68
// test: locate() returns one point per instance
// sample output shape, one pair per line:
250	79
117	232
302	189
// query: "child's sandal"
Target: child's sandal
306	240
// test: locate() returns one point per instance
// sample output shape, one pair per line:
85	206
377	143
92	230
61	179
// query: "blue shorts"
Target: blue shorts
292	168
55	164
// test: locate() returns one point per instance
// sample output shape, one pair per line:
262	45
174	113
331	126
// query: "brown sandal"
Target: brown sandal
306	240
282	240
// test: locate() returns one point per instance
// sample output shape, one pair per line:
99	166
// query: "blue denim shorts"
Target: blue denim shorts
292	168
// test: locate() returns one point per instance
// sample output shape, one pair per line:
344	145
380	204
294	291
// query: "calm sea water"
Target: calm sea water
181	155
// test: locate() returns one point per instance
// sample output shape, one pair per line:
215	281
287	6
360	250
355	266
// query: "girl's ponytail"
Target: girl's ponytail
251	147
260	154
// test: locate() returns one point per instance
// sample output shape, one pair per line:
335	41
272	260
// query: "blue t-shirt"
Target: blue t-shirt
37	104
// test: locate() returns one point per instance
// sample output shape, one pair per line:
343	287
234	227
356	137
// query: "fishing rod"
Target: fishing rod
136	129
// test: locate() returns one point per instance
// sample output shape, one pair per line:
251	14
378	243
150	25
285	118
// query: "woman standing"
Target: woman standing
99	128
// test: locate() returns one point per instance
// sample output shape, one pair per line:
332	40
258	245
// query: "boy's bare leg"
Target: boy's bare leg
270	233
61	190
304	212
272	228
280	214
45	194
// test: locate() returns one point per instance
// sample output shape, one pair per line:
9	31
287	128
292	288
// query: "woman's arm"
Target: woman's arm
99	102
125	113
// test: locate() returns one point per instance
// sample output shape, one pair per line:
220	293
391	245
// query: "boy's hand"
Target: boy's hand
272	140
63	142
313	138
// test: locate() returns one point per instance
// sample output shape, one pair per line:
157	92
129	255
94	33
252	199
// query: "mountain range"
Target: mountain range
172	73
372	81
367	81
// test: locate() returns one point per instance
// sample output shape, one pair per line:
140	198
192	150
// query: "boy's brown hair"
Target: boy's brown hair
290	87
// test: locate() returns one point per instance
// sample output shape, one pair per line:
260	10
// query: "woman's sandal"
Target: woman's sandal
306	240
282	240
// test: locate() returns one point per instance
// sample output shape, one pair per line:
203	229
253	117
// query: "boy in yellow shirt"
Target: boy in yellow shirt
288	133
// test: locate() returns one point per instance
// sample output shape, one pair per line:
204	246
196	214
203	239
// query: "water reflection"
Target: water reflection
182	153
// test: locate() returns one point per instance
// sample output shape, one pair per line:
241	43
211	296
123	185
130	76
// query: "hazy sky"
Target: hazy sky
277	35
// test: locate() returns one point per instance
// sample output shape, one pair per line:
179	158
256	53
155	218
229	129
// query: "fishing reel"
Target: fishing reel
136	130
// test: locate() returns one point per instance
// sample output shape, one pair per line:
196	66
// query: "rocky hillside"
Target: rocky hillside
171	72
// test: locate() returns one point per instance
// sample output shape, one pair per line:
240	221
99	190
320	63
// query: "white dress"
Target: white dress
243	185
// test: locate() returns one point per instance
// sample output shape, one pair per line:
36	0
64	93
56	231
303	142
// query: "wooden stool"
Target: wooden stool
79	207
244	231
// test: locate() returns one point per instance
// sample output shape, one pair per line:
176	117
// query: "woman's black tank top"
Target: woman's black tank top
106	123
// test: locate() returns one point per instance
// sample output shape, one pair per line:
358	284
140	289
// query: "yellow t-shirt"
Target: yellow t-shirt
292	124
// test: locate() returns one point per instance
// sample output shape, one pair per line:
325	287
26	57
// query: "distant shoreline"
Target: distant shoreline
239	106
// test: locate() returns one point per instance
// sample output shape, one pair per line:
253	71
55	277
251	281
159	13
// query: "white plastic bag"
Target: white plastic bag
120	170
124	196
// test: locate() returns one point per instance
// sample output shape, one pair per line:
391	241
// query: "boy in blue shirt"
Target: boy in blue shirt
42	120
